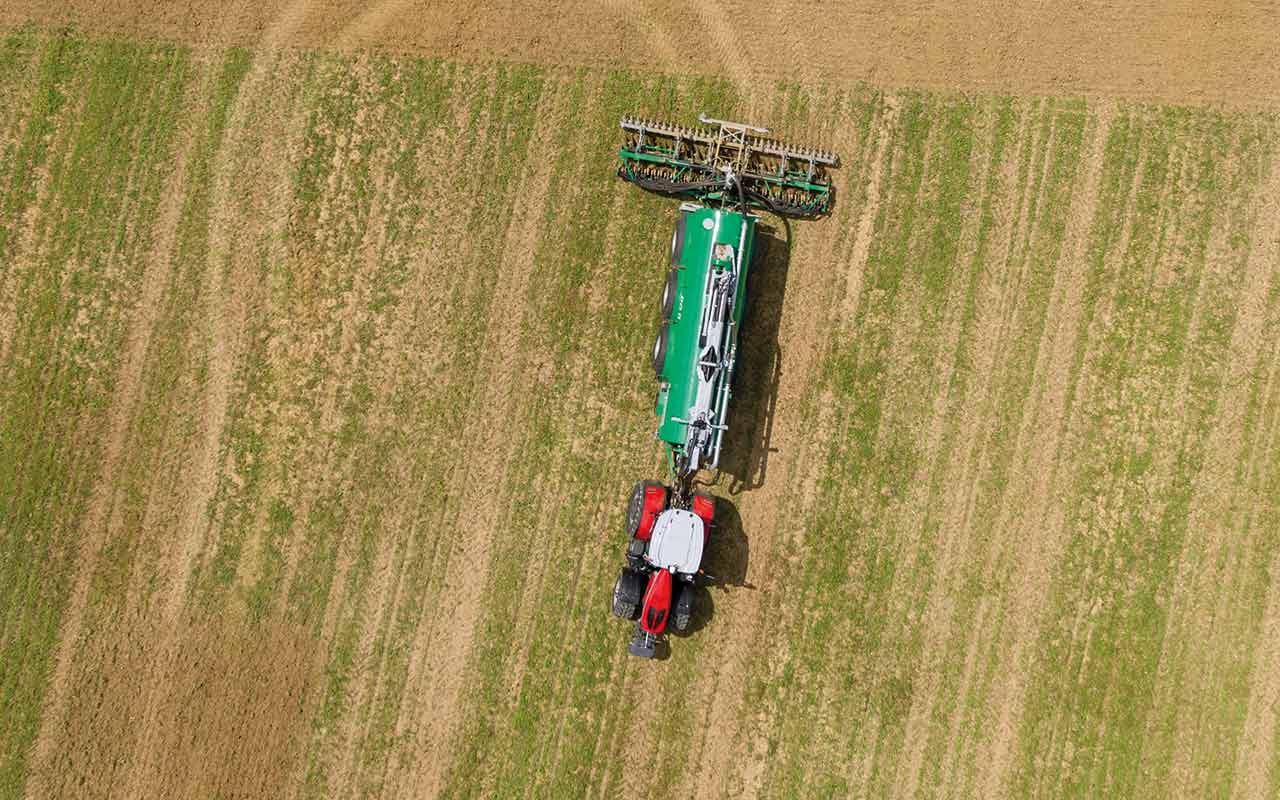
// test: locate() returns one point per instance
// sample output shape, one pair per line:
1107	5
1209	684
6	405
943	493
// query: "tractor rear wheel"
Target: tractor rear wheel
635	508
660	349
628	591
669	293
636	505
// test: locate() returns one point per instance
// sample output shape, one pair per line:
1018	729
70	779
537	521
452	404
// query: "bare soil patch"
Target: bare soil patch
1184	51
235	698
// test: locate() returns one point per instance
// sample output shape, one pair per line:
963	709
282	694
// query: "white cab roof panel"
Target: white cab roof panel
677	541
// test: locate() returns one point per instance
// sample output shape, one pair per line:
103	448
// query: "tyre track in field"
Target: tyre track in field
1196	612
498	398
1255	751
939	605
1042	419
99	521
227	294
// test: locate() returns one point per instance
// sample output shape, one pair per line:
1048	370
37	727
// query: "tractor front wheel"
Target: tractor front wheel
683	608
628	591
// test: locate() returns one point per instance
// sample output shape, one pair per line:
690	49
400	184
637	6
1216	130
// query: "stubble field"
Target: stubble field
323	380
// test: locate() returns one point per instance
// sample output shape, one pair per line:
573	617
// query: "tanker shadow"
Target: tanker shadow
748	442
725	565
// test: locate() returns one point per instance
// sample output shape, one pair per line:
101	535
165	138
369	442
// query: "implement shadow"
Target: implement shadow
747	445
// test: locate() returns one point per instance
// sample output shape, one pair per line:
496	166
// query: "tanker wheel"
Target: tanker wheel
677	239
660	350
669	293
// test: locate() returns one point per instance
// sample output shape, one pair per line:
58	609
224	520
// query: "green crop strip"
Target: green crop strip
509	92
1133	510
857	375
560	271
102	120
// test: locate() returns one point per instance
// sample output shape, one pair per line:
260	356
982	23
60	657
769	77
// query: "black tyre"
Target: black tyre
683	607
660	350
628	591
677	239
635	508
669	293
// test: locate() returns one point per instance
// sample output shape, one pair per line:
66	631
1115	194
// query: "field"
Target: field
324	379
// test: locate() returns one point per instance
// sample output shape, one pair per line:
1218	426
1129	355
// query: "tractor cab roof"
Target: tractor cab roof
678	537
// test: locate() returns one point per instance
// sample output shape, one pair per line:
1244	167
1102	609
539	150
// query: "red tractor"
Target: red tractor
664	561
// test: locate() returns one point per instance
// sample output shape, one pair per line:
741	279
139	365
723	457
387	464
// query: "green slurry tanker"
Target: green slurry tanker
724	173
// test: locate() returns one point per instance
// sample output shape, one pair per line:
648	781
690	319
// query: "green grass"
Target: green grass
417	346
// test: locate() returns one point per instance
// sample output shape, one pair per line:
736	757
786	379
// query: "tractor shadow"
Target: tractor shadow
748	442
725	564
